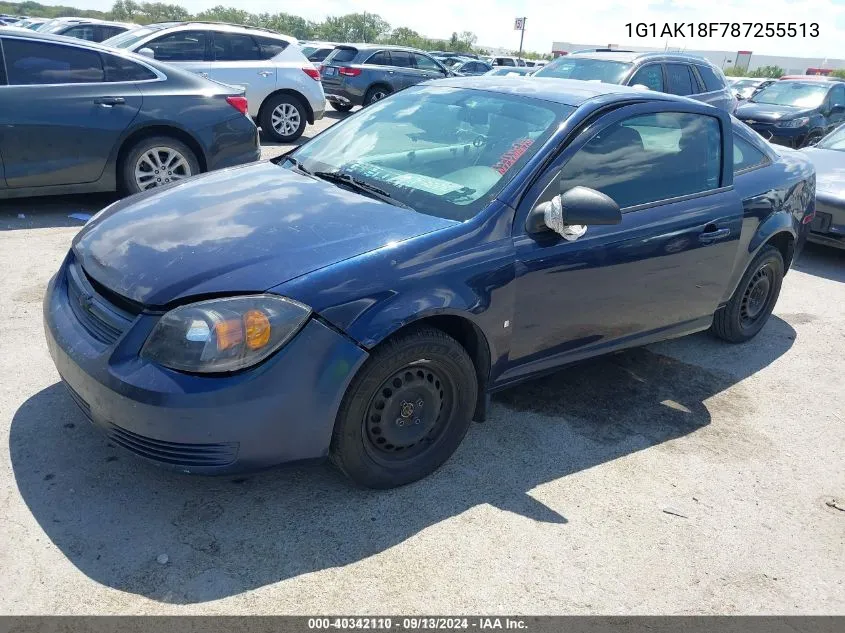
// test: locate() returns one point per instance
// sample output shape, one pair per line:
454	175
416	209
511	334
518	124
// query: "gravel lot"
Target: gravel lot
687	477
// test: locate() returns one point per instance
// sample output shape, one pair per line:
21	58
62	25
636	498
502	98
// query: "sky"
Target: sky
593	22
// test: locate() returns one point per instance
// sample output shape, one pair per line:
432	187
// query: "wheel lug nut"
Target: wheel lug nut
400	422
156	170
417	421
420	402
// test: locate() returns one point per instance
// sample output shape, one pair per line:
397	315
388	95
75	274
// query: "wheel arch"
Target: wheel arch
309	112
468	334
160	130
379	83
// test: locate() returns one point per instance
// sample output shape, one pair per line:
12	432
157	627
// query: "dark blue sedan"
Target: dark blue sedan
363	297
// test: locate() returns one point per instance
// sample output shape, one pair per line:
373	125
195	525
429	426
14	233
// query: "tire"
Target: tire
425	382
289	114
754	299
376	93
813	137
138	170
341	107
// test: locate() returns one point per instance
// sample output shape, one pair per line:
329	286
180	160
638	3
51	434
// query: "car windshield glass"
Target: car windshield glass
834	140
128	38
789	93
441	151
603	70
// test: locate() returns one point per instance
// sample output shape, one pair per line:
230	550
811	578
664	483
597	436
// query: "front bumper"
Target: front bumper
790	137
828	226
281	411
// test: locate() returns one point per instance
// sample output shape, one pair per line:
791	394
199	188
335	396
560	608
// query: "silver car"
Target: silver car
282	87
676	73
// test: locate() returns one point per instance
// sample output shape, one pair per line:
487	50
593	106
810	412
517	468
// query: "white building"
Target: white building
723	59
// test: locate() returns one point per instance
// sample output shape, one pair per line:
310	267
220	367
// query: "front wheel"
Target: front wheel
754	299
406	411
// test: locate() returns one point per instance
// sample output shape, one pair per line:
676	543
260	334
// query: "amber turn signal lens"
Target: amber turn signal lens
229	333
257	329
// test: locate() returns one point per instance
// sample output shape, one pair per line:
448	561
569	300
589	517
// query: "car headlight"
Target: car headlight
223	335
799	122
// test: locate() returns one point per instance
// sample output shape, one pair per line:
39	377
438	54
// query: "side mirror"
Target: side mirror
147	52
577	207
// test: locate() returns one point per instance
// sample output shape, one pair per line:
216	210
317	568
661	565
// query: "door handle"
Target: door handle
712	234
265	73
204	75
110	101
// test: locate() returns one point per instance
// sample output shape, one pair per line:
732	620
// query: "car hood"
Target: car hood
239	230
830	170
767	112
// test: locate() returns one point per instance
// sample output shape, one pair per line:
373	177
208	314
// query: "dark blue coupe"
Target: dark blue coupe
362	297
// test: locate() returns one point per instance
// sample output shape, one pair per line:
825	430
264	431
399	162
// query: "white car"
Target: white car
282	87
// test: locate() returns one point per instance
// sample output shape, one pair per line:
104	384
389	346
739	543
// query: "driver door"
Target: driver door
662	270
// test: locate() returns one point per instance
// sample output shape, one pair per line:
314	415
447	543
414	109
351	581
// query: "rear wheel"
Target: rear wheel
341	107
282	118
754	299
406	411
376	93
156	161
813	138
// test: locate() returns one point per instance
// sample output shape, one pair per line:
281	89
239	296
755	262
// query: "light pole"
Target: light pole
519	25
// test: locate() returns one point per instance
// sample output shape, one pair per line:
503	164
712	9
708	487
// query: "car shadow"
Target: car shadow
113	514
822	261
51	211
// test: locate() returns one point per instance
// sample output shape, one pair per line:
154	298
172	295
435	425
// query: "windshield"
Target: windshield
510	70
746	83
129	38
52	27
442	151
602	70
792	93
834	140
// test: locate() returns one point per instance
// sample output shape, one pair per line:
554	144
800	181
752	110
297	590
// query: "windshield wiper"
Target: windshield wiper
361	186
296	163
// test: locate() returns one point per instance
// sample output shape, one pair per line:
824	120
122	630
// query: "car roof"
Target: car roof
383	47
223	26
810	78
633	56
808	82
571	92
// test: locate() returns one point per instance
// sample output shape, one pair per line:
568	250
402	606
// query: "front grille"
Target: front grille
173	452
79	400
102	319
821	223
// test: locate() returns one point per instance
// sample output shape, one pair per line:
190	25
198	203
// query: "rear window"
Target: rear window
341	55
712	81
586	68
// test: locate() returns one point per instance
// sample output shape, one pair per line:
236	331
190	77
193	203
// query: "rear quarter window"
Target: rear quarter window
269	46
746	156
342	55
712	82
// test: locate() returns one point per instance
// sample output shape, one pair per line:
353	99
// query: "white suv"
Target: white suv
282	87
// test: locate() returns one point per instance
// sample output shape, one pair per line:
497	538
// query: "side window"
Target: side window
2	66
506	61
401	58
81	32
182	46
105	32
712	82
680	79
235	47
426	63
121	69
650	76
382	58
33	62
321	54
837	95
746	155
270	47
649	158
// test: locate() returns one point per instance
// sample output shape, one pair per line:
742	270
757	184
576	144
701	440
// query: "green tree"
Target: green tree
771	72
354	27
404	36
839	72
288	24
225	14
125	10
161	12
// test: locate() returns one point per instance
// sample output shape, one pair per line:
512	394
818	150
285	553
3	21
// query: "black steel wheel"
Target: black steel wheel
753	300
406	411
